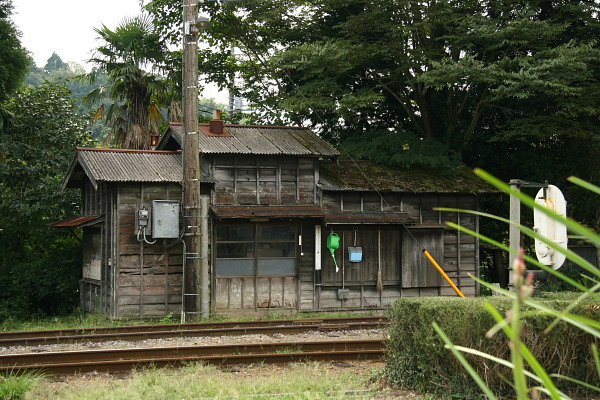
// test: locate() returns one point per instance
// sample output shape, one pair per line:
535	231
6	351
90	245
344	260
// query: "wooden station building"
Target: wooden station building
276	194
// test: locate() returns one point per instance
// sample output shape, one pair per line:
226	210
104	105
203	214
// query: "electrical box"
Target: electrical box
355	254
165	219
143	216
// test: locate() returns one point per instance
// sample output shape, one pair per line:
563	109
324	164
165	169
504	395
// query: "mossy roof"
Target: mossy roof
349	175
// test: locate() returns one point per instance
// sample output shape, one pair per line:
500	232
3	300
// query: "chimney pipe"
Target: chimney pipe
216	124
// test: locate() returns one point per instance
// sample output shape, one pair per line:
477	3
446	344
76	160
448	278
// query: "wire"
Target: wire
142	231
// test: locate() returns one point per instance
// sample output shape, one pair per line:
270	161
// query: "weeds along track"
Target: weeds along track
138	333
116	360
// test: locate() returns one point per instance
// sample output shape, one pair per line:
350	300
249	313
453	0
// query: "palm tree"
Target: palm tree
129	57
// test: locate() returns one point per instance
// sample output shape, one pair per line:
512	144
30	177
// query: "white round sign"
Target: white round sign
548	227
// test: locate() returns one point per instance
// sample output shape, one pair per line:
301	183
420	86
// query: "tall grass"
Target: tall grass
16	385
529	378
199	381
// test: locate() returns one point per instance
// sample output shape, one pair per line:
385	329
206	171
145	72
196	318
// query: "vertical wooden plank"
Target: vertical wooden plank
416	270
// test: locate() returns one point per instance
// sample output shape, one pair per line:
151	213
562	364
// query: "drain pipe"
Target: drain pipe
204	238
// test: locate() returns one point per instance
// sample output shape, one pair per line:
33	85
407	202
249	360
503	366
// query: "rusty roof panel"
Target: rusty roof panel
131	166
349	175
346	217
77	222
265	140
304	211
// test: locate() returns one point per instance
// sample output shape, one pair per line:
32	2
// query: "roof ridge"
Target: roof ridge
247	126
128	150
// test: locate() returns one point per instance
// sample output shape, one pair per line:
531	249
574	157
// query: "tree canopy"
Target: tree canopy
130	57
14	59
510	86
40	267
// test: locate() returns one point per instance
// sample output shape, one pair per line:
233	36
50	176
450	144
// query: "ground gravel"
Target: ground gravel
203	341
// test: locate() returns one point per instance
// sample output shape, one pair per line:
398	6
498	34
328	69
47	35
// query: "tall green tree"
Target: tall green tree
130	57
14	59
511	86
54	63
39	266
431	69
69	73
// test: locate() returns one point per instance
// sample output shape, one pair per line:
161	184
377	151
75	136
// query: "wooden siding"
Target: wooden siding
250	180
139	279
306	269
92	199
456	252
417	271
149	276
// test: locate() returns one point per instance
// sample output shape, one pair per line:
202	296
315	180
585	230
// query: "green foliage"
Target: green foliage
54	63
15	385
402	149
136	95
570	328
509	87
14	59
66	73
314	381
39	267
418	360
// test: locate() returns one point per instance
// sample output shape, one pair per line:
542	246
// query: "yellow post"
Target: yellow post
441	271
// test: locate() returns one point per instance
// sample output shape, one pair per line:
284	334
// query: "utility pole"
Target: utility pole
193	267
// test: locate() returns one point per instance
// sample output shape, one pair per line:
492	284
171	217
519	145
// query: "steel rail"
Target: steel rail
137	333
205	325
114	360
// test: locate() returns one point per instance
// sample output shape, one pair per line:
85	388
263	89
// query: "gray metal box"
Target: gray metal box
165	219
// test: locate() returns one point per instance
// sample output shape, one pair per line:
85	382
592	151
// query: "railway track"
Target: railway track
138	333
115	360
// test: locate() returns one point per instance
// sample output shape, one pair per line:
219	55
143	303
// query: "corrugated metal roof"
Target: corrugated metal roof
131	166
263	140
350	175
120	165
304	211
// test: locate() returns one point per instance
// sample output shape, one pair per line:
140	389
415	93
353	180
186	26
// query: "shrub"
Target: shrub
418	360
538	334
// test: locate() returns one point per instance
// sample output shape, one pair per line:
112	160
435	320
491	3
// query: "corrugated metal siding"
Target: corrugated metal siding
265	140
109	166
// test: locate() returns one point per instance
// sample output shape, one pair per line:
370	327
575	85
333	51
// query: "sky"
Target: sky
66	27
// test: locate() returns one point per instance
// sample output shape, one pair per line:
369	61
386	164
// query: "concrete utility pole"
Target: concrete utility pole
514	234
194	263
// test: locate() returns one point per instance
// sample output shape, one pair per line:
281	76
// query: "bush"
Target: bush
417	358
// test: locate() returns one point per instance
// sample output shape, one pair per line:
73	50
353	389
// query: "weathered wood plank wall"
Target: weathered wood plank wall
251	180
148	282
457	253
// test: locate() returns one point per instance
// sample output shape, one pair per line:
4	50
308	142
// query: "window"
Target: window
249	249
